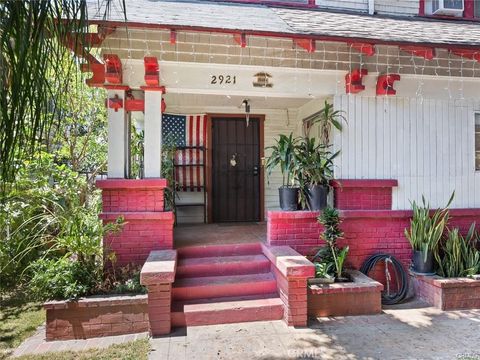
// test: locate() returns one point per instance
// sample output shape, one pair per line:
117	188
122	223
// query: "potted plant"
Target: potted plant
315	163
330	260
316	160
284	155
425	233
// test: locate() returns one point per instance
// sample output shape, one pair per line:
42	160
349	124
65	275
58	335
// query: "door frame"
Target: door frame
208	183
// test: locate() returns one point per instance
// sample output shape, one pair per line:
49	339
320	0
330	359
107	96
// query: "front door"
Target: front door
235	169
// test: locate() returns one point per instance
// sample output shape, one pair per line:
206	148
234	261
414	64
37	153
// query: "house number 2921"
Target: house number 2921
223	79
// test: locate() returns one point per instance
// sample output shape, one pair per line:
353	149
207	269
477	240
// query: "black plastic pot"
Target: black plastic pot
420	265
288	198
317	197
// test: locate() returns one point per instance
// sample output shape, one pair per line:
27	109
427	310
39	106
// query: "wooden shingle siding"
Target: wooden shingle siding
428	145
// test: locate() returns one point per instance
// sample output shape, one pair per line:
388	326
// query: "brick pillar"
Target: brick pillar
291	272
147	226
157	275
159	308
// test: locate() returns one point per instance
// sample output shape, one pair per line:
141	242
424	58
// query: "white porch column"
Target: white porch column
117	137
153	134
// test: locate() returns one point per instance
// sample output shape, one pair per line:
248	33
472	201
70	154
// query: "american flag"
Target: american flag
187	131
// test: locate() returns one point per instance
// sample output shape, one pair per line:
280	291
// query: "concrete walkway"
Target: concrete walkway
411	331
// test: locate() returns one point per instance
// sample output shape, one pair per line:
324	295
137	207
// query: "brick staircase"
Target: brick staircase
220	284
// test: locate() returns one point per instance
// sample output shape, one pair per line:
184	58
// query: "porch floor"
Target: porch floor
217	234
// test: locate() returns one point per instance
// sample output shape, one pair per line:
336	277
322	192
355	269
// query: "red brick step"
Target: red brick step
228	310
223	286
219	250
224	265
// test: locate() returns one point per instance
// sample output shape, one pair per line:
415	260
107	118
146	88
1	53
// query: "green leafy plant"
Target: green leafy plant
459	256
324	269
327	119
284	155
330	219
426	229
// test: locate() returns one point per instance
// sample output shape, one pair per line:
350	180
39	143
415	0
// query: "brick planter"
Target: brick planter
360	297
96	317
447	294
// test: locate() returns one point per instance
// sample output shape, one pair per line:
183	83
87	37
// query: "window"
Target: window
467	9
477	142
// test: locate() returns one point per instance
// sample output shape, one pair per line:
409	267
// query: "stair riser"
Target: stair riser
224	290
219	250
230	316
238	268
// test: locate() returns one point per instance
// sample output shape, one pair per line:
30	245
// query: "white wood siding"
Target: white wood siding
427	145
397	7
358	5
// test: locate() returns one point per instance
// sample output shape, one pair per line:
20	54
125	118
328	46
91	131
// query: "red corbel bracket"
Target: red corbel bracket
163	107
240	39
385	84
307	44
173	37
353	81
98	73
154	88
364	48
151	70
113	69
420	51
467	53
115	103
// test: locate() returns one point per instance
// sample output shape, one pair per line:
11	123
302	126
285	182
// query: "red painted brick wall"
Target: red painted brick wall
96	317
147	227
363	194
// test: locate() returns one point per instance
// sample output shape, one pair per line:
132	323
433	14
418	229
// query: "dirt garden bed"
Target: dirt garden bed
361	296
447	294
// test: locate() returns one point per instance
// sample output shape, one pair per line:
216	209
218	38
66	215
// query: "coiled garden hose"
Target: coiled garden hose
400	276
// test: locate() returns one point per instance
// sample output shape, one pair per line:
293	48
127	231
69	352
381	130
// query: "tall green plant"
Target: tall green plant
284	155
330	219
459	256
426	229
327	119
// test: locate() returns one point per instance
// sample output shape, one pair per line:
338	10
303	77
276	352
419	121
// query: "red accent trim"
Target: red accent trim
278	34
115	103
421	8
154	88
420	51
190	143
240	39
98	73
163	106
173	36
469	11
116	87
364	183
353	81
467	53
132	184
113	68
385	84
365	48
151	70
307	44
134	105
197	142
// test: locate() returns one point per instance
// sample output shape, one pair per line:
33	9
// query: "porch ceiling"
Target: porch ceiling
212	101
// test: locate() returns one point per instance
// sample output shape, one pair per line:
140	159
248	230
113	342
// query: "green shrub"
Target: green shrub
63	278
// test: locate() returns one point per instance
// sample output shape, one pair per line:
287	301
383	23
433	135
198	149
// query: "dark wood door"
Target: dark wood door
235	169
